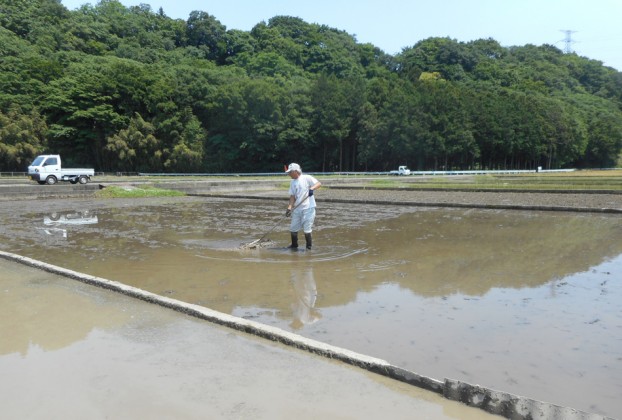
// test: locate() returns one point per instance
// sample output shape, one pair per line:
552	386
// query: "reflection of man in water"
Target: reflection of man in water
303	308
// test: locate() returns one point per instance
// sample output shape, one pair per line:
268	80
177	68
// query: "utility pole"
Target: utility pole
568	40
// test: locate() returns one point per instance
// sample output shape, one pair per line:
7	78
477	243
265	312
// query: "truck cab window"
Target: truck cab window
37	161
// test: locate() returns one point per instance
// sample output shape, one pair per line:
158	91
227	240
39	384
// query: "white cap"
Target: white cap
293	167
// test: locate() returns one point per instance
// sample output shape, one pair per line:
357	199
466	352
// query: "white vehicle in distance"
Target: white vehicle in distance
46	169
402	170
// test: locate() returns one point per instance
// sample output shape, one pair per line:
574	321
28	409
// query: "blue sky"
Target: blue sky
394	24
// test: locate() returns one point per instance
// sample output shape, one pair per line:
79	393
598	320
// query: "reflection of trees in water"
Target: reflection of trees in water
444	252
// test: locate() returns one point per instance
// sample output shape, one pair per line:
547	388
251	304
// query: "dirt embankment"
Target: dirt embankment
509	199
563	201
337	191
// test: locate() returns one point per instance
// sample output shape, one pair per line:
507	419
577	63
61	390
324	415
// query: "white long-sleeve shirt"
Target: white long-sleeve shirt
299	188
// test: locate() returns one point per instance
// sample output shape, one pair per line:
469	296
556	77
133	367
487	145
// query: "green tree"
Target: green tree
205	32
80	104
134	149
188	154
289	89
331	122
22	137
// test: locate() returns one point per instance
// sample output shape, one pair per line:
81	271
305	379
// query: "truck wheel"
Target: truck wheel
83	179
51	180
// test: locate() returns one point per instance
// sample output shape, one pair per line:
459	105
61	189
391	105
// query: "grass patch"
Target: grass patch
387	183
136	192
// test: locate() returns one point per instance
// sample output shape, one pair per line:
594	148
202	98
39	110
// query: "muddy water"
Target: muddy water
524	302
121	358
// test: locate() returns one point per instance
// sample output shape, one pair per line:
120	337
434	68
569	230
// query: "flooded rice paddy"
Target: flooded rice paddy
523	302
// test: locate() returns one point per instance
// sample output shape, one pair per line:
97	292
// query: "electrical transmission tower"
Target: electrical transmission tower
568	40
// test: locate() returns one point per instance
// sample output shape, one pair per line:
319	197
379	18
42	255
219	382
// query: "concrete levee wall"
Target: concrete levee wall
28	191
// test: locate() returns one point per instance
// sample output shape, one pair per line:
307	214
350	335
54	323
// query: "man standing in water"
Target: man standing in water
301	204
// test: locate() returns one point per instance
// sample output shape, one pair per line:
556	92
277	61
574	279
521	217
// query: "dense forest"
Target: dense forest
132	90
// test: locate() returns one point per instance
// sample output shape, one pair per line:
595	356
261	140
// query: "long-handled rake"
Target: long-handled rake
258	242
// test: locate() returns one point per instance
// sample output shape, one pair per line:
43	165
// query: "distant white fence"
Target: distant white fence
504	171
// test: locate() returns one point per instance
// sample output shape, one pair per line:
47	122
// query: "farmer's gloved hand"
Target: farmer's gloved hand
288	213
310	192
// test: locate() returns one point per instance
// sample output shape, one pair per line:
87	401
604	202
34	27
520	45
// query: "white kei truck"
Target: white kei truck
402	170
46	169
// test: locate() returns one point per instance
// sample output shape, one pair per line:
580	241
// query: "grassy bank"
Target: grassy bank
136	192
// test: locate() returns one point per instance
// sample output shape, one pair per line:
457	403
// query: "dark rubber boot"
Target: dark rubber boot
294	244
309	240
